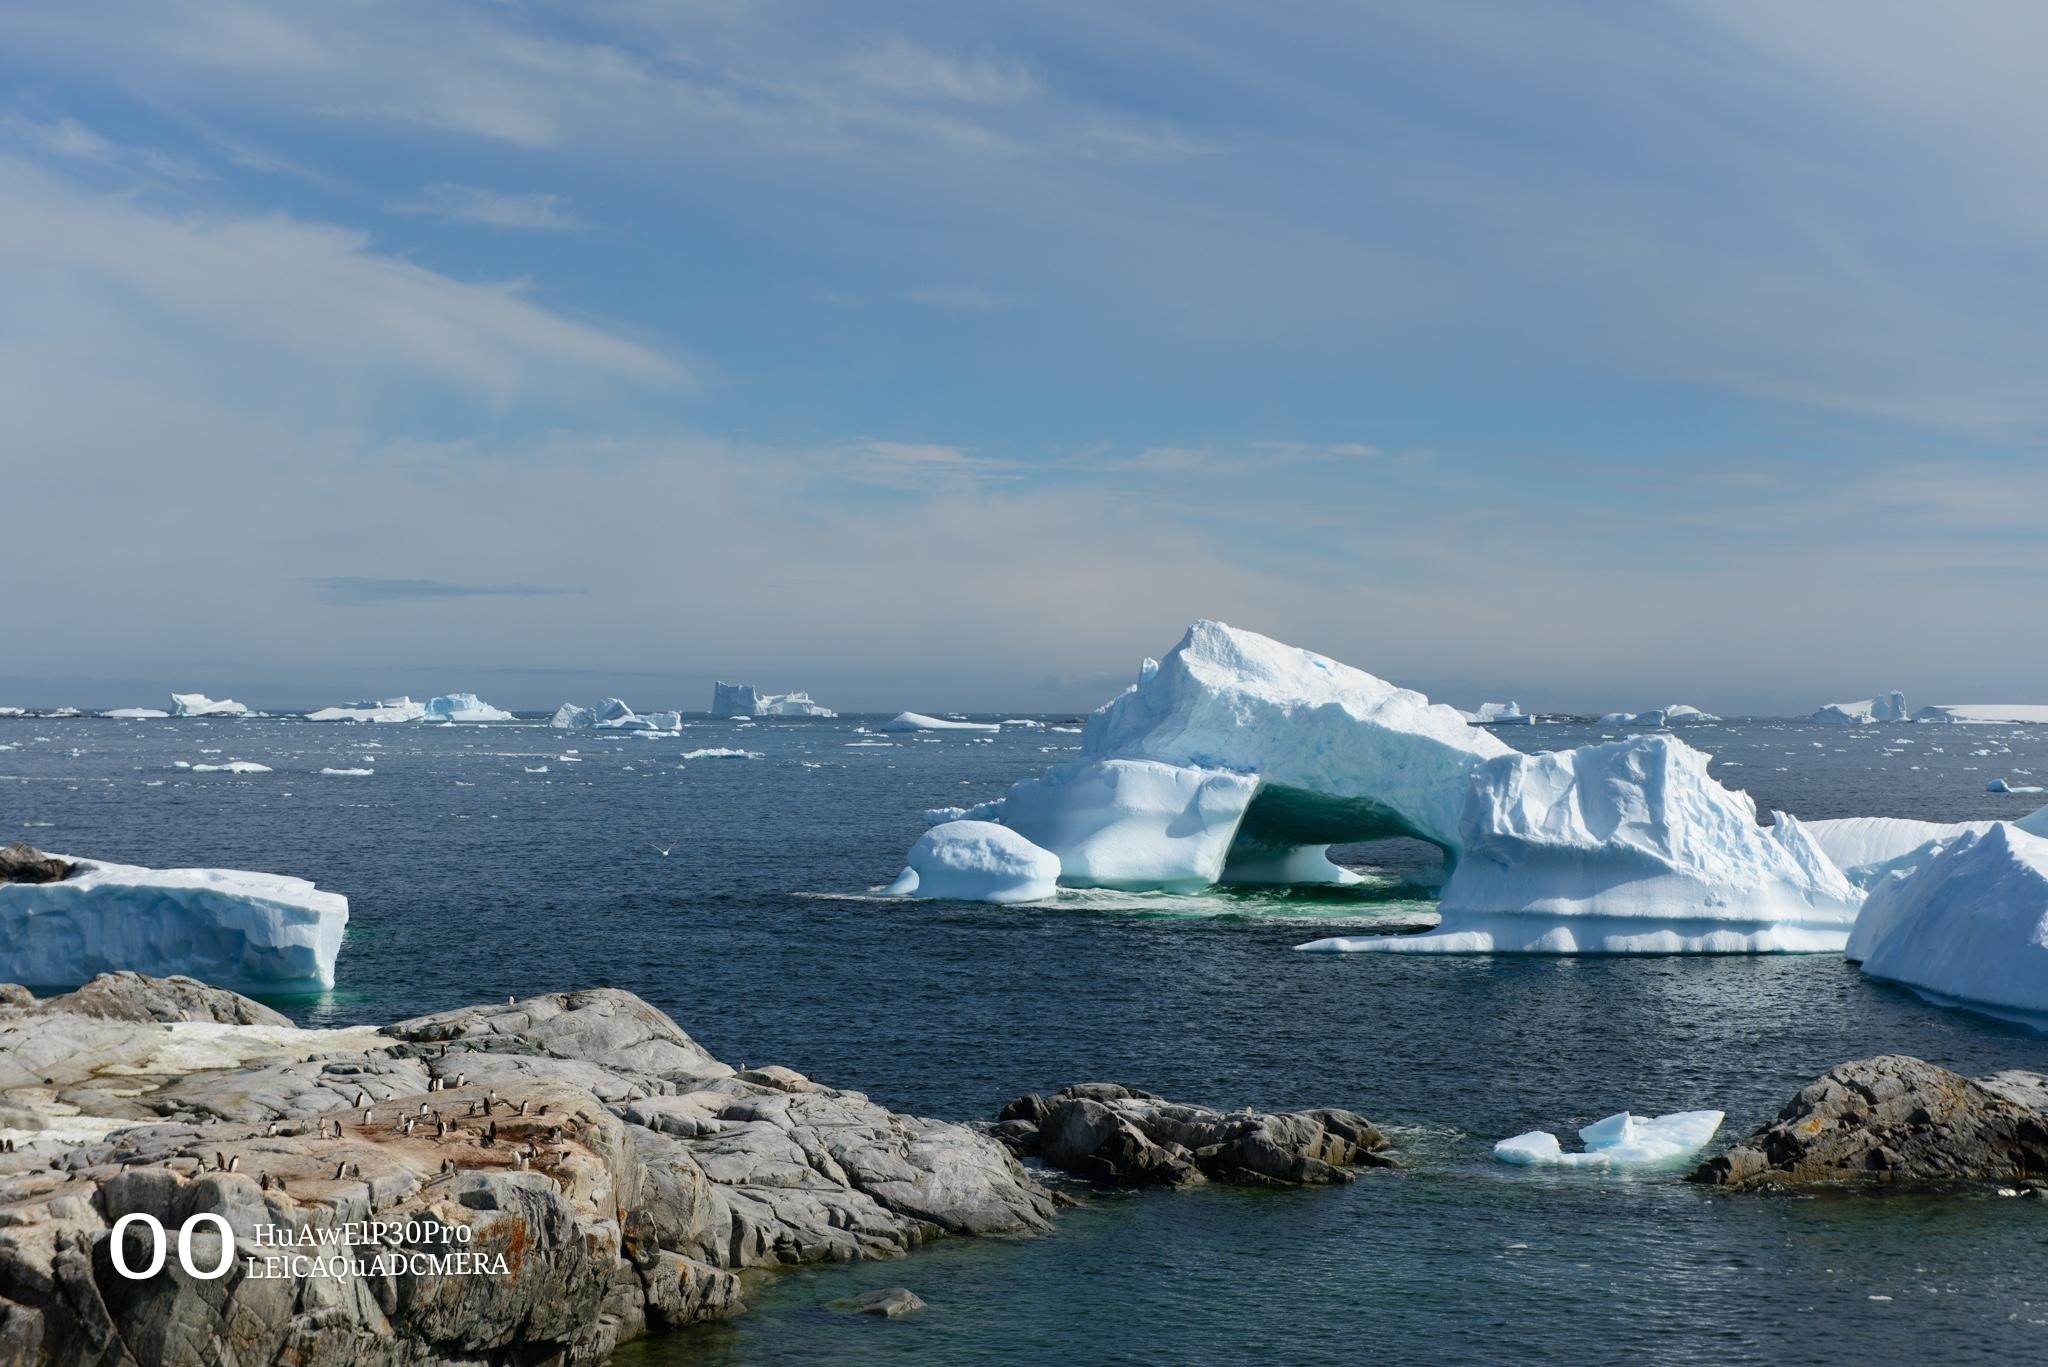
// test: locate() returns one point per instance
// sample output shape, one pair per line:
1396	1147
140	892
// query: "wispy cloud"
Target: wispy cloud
900	67
907	463
971	298
455	203
362	591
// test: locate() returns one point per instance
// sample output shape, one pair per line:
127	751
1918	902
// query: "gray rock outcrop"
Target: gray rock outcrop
1895	1119
24	863
604	1173
1122	1136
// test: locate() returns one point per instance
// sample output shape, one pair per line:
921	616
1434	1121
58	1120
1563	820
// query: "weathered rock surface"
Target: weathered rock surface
1895	1119
609	1173
24	863
1126	1137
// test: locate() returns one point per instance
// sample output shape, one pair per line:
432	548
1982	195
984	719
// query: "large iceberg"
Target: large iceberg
918	721
199	705
613	715
1890	707
1619	1141
2020	713
744	700
1626	848
1969	926
569	716
1499	714
977	861
463	707
375	710
257	931
1870	849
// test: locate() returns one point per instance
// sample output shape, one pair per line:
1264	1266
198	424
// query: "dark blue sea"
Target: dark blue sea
481	861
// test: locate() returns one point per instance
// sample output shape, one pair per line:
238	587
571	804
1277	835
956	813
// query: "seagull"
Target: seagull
663	850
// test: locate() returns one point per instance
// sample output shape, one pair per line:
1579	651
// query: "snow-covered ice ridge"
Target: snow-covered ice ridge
449	707
613	715
1239	759
744	700
228	927
1677	714
199	705
2024	714
1888	708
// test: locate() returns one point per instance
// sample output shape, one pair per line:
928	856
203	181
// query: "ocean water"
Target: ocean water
517	859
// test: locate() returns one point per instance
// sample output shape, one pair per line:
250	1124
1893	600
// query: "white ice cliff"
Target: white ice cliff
977	861
1619	1141
918	721
1890	707
1968	927
1629	847
199	705
376	710
223	926
744	700
463	707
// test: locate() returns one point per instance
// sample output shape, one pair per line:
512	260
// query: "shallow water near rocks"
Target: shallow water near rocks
471	877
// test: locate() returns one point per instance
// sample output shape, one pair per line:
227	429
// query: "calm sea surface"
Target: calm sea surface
516	859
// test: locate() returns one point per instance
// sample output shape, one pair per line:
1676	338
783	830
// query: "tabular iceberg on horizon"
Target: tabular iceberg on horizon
380	710
463	707
199	705
1888	708
744	700
918	721
613	715
228	927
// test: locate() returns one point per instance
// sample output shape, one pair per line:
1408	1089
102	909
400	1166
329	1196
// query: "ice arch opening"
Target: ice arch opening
1286	834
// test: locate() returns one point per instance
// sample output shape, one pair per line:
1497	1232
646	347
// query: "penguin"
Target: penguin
440	1128
362	1098
234	1162
511	1001
490	1134
340	1170
369	1117
472	1109
355	1170
522	1108
460	1078
543	1109
220	1162
423	1108
437	1084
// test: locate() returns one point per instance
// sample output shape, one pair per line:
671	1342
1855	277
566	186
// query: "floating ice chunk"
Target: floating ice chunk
348	773
1620	1141
1134	824
1969	926
977	861
918	721
1685	712
744	700
569	716
222	926
722	752
199	705
135	714
1499	713
1618	719
376	710
463	707
1627	848
2015	713
1888	708
1999	785
236	766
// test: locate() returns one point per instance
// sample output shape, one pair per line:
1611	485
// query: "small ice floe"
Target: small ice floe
1999	785
348	773
1620	1141
233	766
535	768
918	721
723	752
977	861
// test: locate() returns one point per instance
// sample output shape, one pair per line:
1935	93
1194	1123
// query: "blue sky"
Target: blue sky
935	355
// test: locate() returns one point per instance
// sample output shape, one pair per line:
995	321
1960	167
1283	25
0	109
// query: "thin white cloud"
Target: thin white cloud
474	204
969	298
316	292
900	67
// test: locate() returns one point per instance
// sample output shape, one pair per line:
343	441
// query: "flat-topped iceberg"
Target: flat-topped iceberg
977	861
135	714
375	710
1888	708
1620	1141
1629	847
918	721
228	927
1968	927
199	705
744	700
2025	714
1499	714
1676	714
464	707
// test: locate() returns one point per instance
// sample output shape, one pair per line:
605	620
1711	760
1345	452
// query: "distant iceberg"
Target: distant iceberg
743	700
199	705
1968	927
1620	1141
463	707
613	715
977	861
231	928
135	714
1499	714
1888	708
1677	714
2025	714
383	710
918	721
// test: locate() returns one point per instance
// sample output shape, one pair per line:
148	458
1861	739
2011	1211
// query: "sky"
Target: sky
942	356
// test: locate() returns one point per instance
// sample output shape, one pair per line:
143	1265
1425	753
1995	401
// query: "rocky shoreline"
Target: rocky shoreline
527	1182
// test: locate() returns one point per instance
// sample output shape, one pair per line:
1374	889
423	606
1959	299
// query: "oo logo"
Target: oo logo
158	1243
